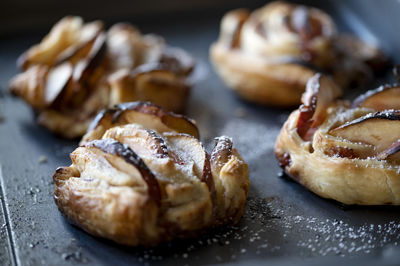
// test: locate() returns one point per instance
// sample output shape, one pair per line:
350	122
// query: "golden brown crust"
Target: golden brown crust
84	203
151	82
268	55
276	88
138	186
341	162
79	69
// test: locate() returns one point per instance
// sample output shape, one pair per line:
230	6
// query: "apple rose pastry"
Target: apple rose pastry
79	69
267	56
140	178
349	153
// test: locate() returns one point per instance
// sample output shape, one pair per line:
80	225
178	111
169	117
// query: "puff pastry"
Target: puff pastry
79	69
268	55
140	179
342	151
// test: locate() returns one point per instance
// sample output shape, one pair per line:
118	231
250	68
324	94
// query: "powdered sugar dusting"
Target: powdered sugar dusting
250	138
267	223
335	237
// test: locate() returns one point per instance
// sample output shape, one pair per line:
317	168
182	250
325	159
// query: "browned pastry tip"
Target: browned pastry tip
349	153
139	182
69	40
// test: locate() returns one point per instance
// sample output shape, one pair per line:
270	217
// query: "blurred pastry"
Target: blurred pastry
342	151
78	69
267	56
140	178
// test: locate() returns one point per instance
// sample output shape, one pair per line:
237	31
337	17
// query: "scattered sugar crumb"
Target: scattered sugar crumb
42	159
265	217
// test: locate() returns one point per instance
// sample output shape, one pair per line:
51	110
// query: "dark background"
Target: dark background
21	15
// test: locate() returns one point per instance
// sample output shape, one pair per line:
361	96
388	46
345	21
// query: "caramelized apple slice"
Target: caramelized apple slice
116	148
186	149
338	147
379	129
177	60
69	40
57	80
320	93
145	142
392	153
382	98
303	23
86	67
152	82
80	81
82	46
231	25
144	113
85	74
58	39
365	52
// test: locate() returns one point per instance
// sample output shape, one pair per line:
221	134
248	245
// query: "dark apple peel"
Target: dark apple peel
318	96
177	122
391	152
114	147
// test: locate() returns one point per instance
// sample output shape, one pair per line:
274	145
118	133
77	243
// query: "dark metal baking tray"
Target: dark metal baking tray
283	223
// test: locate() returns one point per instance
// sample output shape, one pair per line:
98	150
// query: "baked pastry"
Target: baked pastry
342	151
140	179
268	55
79	69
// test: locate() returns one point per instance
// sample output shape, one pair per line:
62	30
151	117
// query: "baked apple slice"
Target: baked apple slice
148	144
187	149
153	82
144	113
320	93
83	44
57	81
123	151
231	26
86	74
378	129
64	84
145	142
177	60
66	39
341	148
84	68
383	98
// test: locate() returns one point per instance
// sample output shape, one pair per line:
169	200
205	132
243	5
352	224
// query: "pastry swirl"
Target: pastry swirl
79	69
142	185
268	55
344	152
